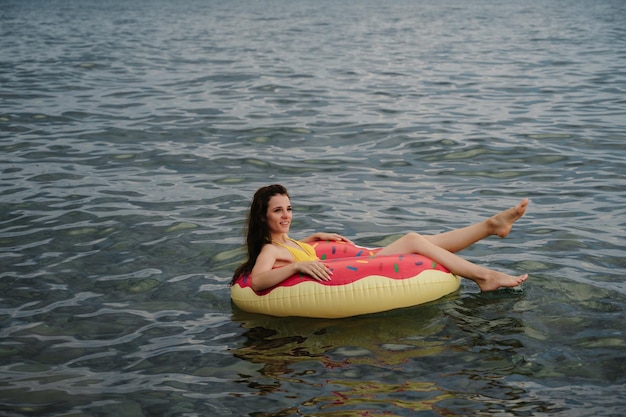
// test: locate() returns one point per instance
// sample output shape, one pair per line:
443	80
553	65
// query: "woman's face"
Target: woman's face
278	216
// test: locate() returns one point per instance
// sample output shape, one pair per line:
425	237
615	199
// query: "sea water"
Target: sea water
134	133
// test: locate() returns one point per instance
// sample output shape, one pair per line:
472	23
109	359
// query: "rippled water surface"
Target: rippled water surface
134	133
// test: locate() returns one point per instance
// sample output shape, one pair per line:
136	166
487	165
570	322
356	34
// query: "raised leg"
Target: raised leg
500	224
487	279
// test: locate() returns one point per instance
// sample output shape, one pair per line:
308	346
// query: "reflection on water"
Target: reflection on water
460	353
367	340
133	134
417	359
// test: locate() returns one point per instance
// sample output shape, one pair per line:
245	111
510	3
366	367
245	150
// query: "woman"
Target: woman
273	256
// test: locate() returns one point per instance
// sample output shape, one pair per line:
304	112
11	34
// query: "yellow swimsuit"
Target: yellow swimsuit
303	253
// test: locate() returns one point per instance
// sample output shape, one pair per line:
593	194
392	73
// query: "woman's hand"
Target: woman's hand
315	269
328	236
264	275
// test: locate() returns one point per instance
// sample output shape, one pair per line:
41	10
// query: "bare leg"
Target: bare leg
487	279
500	224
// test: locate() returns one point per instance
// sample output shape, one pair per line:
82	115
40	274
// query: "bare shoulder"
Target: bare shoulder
276	254
268	250
266	260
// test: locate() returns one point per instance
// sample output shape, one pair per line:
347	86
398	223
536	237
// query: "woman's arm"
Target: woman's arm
326	236
264	275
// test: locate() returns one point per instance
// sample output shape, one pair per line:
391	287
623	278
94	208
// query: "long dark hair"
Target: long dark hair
257	232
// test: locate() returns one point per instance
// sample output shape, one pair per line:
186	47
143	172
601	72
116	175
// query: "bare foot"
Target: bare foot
498	280
502	222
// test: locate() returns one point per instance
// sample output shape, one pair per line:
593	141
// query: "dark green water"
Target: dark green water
133	135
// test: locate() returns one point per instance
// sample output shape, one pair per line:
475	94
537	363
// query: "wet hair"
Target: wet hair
257	231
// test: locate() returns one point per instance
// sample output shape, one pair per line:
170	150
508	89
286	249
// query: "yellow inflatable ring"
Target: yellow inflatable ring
361	284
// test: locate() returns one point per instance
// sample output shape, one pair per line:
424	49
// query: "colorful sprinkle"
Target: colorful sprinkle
323	257
334	250
352	268
434	264
363	261
420	263
396	268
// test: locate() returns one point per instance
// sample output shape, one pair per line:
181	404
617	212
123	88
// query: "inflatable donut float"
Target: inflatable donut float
362	283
